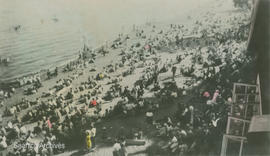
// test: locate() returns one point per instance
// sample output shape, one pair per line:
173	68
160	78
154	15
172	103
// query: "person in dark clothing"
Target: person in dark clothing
155	77
174	71
48	74
56	71
37	129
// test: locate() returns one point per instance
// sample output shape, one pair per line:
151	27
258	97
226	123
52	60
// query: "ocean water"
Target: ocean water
53	31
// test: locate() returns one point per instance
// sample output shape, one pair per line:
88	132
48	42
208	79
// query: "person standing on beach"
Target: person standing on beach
49	123
48	74
116	148
93	135
88	140
216	94
123	60
93	102
174	71
56	71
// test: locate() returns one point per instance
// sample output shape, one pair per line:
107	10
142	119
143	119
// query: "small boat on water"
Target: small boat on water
17	27
55	19
5	60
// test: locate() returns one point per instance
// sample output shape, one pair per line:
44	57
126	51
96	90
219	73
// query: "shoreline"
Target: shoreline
186	20
42	73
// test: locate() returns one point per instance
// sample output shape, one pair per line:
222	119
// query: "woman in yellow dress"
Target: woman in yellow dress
88	140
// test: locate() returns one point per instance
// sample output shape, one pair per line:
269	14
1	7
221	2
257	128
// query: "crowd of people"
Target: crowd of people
198	127
68	112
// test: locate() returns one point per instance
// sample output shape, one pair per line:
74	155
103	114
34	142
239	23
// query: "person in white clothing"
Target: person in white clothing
93	135
116	148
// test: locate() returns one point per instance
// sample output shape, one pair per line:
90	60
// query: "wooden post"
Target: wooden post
259	91
224	146
241	147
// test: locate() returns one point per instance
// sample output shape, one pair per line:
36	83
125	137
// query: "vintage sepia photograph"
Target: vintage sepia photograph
134	77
